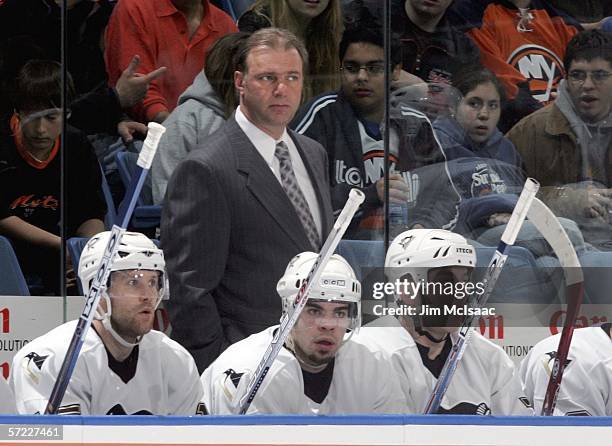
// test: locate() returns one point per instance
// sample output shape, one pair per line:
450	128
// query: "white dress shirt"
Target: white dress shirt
266	145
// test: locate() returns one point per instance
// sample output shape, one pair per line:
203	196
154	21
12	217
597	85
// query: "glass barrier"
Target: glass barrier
273	111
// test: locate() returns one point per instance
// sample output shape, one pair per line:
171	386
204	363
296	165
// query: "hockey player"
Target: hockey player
320	370
7	401
124	367
586	388
419	340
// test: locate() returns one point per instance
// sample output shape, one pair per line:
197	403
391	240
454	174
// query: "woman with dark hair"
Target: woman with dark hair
318	25
482	166
30	175
201	109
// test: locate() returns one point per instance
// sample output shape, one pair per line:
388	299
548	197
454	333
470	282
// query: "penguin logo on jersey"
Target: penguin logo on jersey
550	357
36	359
542	68
32	364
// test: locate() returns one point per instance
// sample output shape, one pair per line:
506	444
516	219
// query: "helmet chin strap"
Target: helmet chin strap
106	322
105	317
428	335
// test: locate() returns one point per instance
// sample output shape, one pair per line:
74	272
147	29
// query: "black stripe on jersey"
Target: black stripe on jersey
69	409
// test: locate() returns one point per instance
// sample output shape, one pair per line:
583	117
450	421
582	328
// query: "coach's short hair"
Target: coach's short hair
589	45
272	38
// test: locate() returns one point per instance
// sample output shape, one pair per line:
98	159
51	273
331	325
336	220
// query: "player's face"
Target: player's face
363	77
134	297
442	285
319	331
590	87
433	8
308	9
40	128
479	112
271	88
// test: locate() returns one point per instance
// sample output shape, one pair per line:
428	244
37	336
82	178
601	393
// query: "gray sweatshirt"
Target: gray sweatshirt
199	113
593	139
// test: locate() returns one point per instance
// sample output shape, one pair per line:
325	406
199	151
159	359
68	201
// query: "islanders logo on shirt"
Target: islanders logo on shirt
542	68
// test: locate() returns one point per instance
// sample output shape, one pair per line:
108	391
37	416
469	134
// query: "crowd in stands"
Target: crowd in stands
266	136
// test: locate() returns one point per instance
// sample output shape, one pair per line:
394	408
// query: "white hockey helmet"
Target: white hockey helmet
416	251
135	252
338	283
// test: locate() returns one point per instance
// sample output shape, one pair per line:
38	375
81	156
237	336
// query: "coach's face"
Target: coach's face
270	88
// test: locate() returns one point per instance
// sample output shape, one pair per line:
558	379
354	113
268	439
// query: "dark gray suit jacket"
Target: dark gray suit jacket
228	231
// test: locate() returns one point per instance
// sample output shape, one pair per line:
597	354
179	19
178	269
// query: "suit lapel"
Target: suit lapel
316	177
264	186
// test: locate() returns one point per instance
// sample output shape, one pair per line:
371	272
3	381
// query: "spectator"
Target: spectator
523	42
483	167
433	48
171	33
348	124
567	146
202	108
586	11
239	199
30	174
84	28
318	25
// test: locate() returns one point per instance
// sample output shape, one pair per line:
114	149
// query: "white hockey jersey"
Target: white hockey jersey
362	382
485	382
164	380
7	401
586	387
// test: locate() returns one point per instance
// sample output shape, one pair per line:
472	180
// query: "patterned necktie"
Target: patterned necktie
295	194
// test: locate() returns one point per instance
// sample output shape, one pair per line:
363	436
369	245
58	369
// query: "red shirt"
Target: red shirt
158	33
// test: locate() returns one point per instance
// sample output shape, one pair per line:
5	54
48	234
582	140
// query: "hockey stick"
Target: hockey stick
478	300
101	277
546	222
356	197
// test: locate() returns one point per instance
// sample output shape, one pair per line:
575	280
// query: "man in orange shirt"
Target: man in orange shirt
171	33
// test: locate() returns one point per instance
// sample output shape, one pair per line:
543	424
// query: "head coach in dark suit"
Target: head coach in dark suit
240	207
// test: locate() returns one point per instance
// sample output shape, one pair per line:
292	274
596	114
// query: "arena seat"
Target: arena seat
146	215
12	282
111	212
596	266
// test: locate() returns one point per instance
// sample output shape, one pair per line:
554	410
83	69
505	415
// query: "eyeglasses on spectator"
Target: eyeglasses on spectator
580	76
